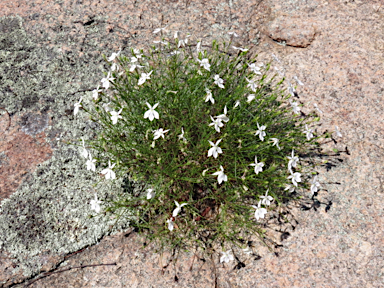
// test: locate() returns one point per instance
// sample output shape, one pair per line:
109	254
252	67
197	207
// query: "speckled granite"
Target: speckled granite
335	48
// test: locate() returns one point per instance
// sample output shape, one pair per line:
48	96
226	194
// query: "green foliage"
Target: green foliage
177	167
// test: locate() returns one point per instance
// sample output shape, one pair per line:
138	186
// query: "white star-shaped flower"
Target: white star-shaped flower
115	116
85	151
261	131
295	178
266	200
150	193
205	63
181	136
217	123
151	113
314	185
218	81
215	150
338	132
251	84
77	106
159	133
260	212
292	161
295	107
178	208
308	132
170	224
113	56
109	174
255	69
220	175
95	93
275	143
227	256
144	77
91	163
233	33
209	96
250	97
95	204
107	81
258	166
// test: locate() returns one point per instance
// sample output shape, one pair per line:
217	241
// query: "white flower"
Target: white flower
178	208
159	133
134	65
204	63
209	96
170	224
77	106
95	204
95	92
113	56
159	29
215	150
260	212
295	178
150	193
291	89
289	187
217	123
115	116
275	142
85	151
144	76
250	97
266	199
255	69
114	67
308	132
314	185
317	108
106	108
106	81
181	136
295	107
137	53
292	161
258	166
198	45
226	257
237	103
151	113
338	132
183	42
233	33
242	49
298	81
109	174
218	81
220	175
251	85
91	163
261	131
223	117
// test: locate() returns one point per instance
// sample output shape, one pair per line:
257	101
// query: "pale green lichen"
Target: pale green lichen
50	210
